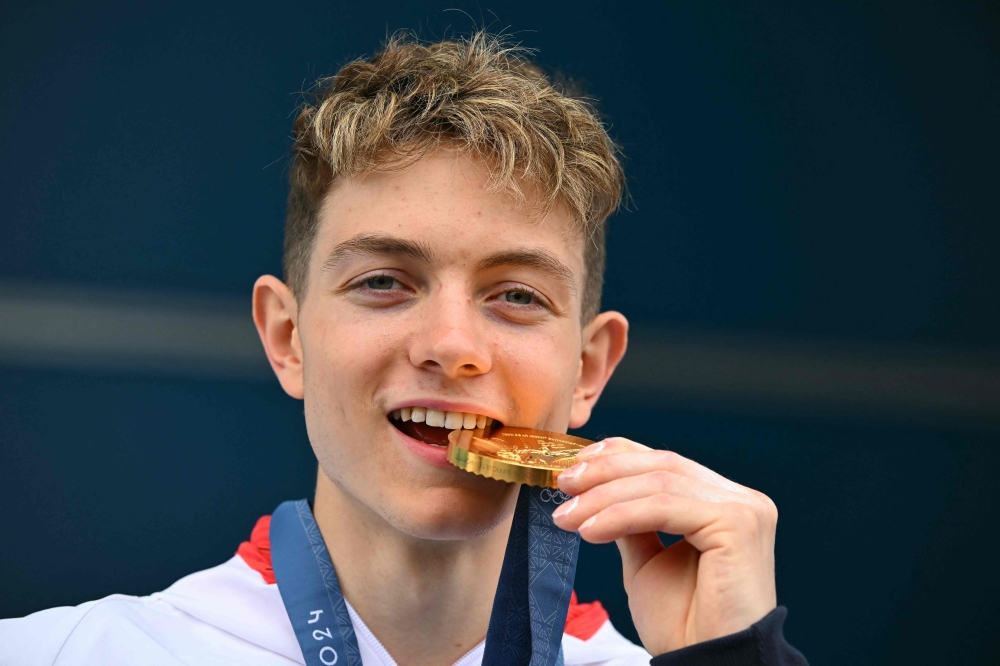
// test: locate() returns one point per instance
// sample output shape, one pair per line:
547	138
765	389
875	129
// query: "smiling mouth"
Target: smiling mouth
432	426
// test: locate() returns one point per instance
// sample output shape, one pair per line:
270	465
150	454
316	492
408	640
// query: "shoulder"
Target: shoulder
221	615
96	629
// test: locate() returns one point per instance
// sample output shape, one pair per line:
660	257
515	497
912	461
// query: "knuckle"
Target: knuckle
597	466
744	516
769	509
765	506
669	459
661	500
638	445
663	478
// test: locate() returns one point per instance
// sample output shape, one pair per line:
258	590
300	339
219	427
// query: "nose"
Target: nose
450	339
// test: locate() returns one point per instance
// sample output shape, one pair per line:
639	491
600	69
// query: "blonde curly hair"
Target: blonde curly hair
480	95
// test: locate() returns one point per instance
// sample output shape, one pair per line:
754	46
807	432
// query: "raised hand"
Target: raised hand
717	580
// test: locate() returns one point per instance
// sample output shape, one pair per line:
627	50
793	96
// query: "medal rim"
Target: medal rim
505	470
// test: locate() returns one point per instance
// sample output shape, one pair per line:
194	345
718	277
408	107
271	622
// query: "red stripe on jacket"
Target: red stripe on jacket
582	620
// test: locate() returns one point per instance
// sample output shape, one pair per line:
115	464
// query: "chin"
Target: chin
460	516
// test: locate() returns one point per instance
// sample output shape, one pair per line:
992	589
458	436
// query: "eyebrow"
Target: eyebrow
531	258
373	244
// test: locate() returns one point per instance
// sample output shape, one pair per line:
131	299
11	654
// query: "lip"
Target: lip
446	406
437	456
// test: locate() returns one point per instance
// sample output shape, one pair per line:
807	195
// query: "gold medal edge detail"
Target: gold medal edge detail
500	470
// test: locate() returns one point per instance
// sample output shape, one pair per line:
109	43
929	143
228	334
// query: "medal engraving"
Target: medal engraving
515	455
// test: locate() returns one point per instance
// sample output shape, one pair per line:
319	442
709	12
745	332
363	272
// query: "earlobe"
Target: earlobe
604	342
275	313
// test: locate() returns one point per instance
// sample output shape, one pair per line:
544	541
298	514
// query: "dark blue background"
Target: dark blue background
821	169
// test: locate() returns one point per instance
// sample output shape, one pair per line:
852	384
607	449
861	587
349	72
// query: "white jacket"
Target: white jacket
232	614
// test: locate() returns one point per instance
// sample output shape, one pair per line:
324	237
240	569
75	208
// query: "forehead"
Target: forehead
444	200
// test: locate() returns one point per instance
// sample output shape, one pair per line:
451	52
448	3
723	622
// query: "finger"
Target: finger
692	518
611	445
573	513
636	550
600	469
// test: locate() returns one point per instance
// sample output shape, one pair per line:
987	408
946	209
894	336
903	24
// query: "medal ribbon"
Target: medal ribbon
529	609
309	588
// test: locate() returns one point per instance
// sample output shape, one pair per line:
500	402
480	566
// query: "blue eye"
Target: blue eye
380	282
519	297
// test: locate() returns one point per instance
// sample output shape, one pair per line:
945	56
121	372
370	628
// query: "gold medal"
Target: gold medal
515	455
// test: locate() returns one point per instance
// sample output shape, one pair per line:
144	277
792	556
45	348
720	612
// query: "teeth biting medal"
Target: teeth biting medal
515	455
482	446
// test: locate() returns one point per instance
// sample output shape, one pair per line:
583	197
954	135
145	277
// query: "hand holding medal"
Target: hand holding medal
717	580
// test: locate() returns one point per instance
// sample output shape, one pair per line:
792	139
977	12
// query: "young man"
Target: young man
444	257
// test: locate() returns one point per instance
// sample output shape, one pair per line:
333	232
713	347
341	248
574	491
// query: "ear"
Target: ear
604	342
275	312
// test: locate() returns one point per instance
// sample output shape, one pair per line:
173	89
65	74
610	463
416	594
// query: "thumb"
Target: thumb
636	550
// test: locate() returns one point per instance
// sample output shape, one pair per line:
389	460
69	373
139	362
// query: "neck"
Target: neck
427	601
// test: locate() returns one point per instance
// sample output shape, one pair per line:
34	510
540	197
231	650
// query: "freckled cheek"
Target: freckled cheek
351	357
539	373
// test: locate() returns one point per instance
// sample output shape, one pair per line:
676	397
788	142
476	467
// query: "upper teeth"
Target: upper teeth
437	418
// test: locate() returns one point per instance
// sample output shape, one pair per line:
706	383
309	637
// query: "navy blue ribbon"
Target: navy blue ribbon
309	588
529	610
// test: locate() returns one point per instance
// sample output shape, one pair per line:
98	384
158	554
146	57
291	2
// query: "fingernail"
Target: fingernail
593	449
565	508
587	523
574	471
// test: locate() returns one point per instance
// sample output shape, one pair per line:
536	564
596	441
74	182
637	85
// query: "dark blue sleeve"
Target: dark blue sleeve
763	644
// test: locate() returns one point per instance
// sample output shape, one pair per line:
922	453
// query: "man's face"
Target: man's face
427	292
